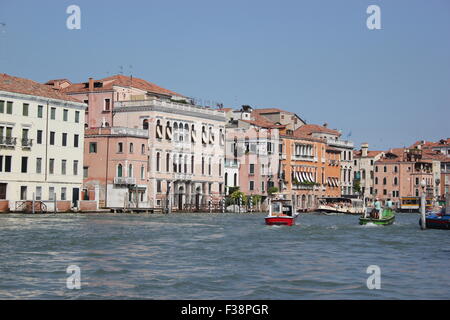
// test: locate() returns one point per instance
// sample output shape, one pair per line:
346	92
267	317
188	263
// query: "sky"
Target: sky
317	58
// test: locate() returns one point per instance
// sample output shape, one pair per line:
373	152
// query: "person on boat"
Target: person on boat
389	204
377	209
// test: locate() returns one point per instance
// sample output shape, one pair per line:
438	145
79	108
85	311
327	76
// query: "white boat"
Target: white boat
340	205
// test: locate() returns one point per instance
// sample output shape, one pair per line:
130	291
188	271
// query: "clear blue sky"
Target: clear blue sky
388	87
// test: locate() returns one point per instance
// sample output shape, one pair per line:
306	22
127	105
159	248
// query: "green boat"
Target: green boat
387	217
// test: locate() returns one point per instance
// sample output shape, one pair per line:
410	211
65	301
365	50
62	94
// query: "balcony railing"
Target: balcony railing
302	157
183	176
8	141
27	143
340	143
124	180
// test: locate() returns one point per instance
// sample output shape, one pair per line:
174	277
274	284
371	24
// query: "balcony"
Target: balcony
302	157
183	176
27	143
8	141
340	143
124	181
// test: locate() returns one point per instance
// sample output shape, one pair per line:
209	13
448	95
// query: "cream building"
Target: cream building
41	143
186	150
364	170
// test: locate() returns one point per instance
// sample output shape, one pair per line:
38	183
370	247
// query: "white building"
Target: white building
41	143
364	170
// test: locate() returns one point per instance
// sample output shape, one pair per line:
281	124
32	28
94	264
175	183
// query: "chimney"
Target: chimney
364	149
91	84
325	124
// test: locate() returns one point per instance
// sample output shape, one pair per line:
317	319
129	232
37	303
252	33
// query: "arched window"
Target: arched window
220	168
174	164
143	149
145	124
192	164
186	132
185	164
180	160
235	180
175	131
384	180
130	170
226	179
119	171
203	165
395	181
376	180
131	147
209	166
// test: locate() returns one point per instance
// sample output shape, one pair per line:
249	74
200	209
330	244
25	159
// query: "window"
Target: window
158	186
376	168
39	137
63	166
384	181
64	139
1	163
23	193
38	195
192	164
376	180
107	104
2	106
3	191
395	181
262	186
53	113
209	166
252	185
158	160
130	170
142	172
120	147
63	193
52	138
384	169
40	111
143	149
384	192
9	107
131	148
38	165
51	193
51	166
85	172
168	162
252	168
77	116
24	167
395	169
65	114
75	140
25	108
203	165
75	167
8	162
119	170
92	147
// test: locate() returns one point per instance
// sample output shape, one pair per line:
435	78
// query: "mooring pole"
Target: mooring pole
34	199
422	205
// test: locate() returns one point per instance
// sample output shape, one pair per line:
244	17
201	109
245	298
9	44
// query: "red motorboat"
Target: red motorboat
281	213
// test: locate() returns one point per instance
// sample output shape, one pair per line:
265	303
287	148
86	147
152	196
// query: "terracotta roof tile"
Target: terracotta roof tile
25	86
122	81
314	128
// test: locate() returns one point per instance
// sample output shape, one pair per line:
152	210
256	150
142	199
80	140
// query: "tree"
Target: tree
272	190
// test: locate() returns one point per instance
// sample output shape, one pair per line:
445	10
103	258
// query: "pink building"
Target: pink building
115	167
399	173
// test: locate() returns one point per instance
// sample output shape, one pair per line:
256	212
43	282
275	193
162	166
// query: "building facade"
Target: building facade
41	144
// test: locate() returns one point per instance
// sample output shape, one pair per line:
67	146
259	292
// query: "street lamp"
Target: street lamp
423	184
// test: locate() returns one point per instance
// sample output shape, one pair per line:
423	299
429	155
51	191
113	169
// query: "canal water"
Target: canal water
219	256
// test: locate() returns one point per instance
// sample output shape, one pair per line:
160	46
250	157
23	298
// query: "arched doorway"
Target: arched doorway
197	198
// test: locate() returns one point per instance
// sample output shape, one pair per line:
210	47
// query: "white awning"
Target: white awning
311	177
305	176
299	177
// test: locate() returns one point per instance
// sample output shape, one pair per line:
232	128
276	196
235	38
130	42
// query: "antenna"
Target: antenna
3	27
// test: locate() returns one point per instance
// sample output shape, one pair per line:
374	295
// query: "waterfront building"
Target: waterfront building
252	142
399	172
333	139
116	167
185	148
303	169
364	170
41	145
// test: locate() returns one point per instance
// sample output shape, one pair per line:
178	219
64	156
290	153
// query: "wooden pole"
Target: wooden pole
422	209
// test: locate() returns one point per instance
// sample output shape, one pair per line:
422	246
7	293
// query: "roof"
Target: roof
25	86
271	110
309	129
370	153
121	81
51	82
